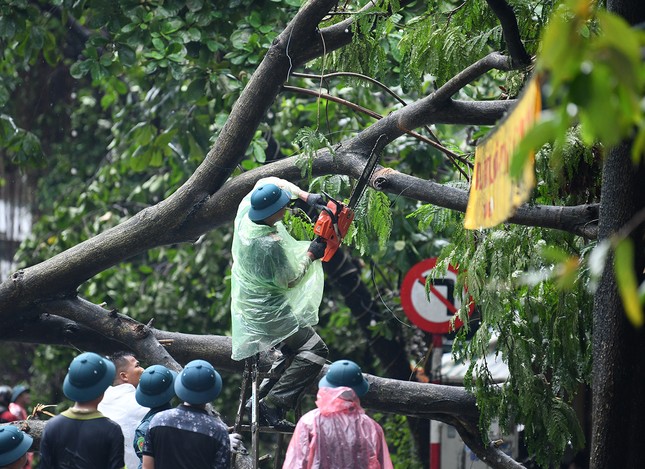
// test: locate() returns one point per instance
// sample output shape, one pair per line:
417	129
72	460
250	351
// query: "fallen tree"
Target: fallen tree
39	304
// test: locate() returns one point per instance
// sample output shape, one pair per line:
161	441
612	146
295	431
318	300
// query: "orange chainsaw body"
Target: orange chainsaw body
332	225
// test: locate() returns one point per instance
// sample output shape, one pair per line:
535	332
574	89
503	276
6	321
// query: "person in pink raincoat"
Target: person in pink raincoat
338	434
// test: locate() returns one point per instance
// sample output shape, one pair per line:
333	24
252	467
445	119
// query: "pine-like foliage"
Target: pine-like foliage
536	318
372	224
310	141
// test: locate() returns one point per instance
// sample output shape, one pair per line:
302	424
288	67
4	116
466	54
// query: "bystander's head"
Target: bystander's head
198	383
156	386
88	377
128	369
14	445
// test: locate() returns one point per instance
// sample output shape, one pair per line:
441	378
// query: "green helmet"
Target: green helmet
345	373
267	200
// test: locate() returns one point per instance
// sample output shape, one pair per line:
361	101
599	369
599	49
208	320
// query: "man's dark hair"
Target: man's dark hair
120	359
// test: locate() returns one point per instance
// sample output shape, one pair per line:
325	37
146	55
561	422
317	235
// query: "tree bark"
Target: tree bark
618	409
618	386
450	404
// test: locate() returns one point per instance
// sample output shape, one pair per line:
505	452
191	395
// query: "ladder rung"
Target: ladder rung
264	429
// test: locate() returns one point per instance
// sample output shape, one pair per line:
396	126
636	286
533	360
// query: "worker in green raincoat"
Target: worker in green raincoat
277	285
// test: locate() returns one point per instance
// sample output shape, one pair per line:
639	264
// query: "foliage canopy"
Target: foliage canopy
114	105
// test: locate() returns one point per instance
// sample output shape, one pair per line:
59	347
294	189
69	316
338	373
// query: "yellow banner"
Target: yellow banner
494	196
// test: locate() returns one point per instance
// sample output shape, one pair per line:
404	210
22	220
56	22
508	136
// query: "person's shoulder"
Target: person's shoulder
217	420
309	417
109	422
164	417
53	422
218	428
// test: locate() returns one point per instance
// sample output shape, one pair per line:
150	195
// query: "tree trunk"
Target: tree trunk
618	348
618	387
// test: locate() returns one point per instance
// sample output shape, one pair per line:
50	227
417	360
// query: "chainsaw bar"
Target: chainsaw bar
361	185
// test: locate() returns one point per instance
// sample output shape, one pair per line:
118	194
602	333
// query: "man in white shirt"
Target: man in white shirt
120	403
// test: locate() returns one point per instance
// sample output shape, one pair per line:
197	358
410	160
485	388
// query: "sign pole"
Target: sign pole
435	426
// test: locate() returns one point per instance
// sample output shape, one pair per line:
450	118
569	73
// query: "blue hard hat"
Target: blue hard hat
267	200
14	443
345	373
156	386
17	391
198	383
88	377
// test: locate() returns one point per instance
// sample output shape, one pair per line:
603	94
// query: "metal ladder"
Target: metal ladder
255	376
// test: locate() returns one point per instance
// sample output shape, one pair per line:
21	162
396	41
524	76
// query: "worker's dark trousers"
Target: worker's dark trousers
303	355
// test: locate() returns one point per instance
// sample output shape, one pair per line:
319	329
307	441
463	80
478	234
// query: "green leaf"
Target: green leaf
30	145
554	254
194	5
127	55
7	28
255	20
544	131
192	35
156	158
140	159
4	95
171	26
196	90
626	281
79	69
158	44
638	147
165	138
258	152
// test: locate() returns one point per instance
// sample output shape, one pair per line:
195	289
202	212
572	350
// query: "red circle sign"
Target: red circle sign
431	313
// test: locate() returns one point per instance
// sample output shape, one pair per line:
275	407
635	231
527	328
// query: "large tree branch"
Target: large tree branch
511	32
62	274
130	333
449	404
493	61
579	219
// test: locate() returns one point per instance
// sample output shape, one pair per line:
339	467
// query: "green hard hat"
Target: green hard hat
267	200
345	373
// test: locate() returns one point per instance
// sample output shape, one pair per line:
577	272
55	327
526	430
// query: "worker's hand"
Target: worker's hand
315	199
317	248
236	442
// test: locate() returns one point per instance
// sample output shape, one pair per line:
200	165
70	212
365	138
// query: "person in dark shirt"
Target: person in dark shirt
155	390
81	437
188	436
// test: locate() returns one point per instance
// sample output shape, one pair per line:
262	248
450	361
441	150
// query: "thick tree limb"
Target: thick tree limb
493	61
579	219
132	334
511	32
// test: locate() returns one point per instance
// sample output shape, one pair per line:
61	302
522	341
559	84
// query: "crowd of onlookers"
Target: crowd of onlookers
122	416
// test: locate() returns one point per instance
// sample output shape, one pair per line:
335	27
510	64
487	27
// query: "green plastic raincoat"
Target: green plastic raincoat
275	288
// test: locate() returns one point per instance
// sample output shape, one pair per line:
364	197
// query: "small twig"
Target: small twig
377	116
366	78
39	409
453	11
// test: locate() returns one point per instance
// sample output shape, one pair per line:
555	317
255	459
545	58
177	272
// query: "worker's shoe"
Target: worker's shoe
274	417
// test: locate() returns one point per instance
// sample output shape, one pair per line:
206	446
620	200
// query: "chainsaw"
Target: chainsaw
336	217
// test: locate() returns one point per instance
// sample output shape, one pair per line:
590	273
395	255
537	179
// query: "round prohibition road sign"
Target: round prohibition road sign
431	313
